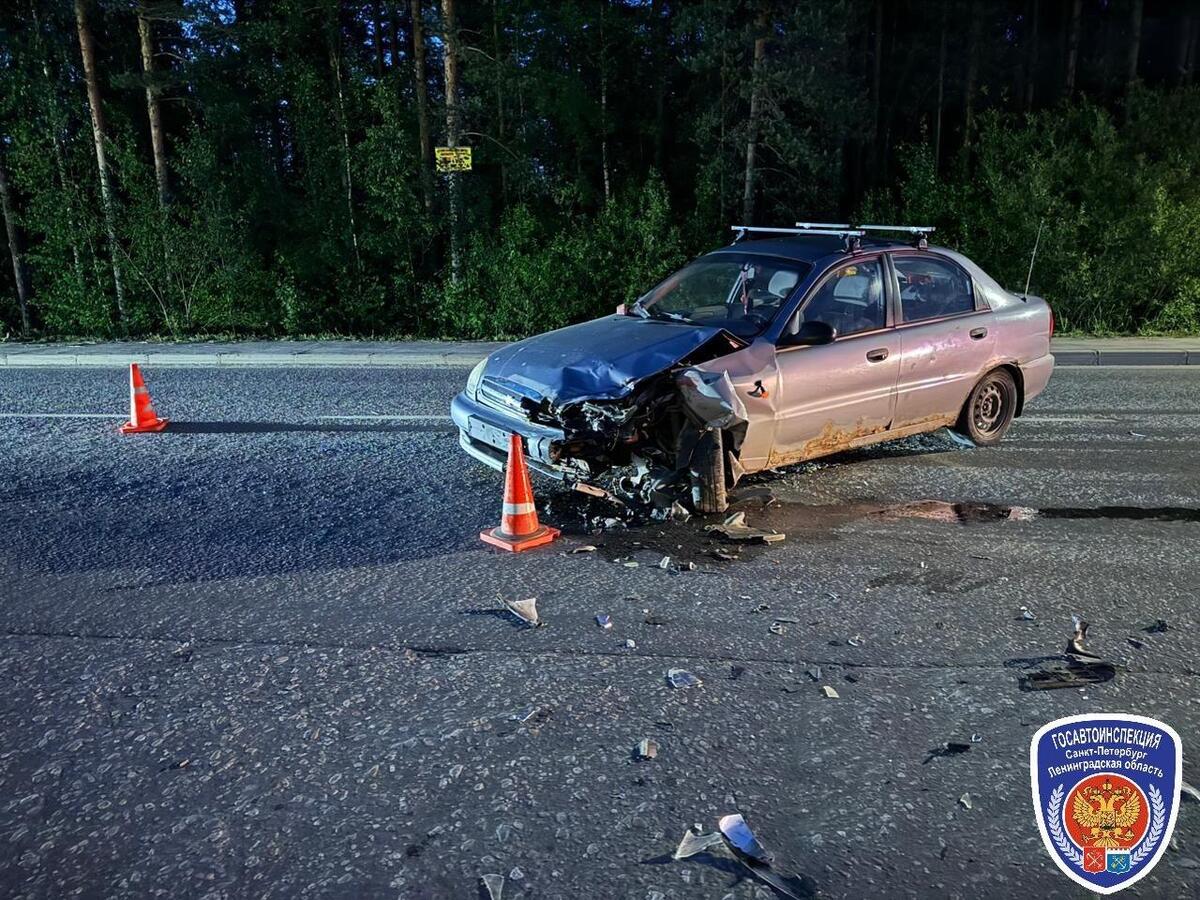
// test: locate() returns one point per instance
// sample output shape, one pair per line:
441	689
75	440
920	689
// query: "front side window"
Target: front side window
739	292
852	300
931	288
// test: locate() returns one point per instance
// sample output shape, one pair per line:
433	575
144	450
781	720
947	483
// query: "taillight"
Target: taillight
1051	322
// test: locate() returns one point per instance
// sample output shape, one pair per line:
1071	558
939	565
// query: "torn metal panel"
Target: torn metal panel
711	398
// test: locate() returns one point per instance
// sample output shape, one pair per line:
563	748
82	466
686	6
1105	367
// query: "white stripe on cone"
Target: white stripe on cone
518	509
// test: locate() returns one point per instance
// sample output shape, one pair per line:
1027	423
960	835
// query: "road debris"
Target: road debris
1188	793
604	622
1136	434
647	748
949	748
586	548
1026	614
830	692
592	490
754	857
1158	626
665	563
1076	646
955	438
681	678
734	528
494	885
724	555
630	644
778	627
525	610
965	800
692	843
742	839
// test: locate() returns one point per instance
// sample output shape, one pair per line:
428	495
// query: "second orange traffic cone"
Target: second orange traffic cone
141	411
518	529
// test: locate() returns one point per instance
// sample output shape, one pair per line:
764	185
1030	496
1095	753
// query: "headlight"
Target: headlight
474	378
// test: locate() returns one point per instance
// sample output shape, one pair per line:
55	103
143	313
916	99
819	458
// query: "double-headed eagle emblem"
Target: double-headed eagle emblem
1107	812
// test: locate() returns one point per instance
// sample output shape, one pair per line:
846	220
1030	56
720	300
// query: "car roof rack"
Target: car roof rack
920	233
852	237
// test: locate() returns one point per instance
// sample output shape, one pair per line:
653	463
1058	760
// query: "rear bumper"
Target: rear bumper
483	433
1036	374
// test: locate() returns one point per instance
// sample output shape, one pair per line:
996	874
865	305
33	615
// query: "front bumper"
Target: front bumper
483	433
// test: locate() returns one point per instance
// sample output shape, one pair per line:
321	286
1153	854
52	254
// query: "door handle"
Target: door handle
978	334
877	355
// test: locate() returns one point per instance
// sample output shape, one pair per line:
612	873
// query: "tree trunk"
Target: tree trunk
421	88
876	81
1183	51
972	74
1072	46
453	129
54	118
1135	42
157	143
756	89
377	36
499	98
941	95
658	34
604	108
1032	73
14	248
335	65
87	50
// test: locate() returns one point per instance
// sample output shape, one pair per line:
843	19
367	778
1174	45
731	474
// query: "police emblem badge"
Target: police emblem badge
1106	791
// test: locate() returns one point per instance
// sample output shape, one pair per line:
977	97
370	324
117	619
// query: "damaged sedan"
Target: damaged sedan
787	345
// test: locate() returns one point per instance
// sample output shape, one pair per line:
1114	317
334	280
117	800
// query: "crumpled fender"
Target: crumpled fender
710	398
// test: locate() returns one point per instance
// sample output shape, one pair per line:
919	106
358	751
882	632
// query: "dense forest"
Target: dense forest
236	167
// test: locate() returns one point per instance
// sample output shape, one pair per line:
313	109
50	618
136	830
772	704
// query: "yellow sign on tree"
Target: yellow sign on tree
453	159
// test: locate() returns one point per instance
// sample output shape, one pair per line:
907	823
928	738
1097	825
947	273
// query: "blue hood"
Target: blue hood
597	360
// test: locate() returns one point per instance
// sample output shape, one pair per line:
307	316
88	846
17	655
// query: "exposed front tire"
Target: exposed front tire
989	409
708	474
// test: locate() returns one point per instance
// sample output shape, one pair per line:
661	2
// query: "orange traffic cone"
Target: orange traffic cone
518	529
141	412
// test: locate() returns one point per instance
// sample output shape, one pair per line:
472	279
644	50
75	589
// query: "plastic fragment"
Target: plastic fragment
525	610
742	839
604	622
647	748
494	884
692	843
630	644
734	528
665	563
1188	792
680	678
778	627
830	692
965	800
586	548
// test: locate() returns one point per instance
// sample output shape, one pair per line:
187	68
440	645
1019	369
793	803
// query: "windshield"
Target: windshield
739	292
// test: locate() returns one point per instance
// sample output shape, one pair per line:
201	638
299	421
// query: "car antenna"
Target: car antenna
1032	256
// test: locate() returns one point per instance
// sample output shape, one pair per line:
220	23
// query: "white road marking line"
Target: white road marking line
389	418
1072	419
12	415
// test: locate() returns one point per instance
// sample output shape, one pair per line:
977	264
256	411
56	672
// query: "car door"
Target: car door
946	339
835	395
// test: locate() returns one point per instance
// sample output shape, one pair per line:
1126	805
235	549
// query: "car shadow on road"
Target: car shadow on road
330	427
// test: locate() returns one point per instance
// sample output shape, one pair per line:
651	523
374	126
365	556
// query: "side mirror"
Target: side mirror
812	334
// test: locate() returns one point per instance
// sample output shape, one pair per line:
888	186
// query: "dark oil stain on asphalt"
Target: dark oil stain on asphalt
646	540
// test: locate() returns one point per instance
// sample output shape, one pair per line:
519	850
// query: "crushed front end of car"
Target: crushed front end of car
584	413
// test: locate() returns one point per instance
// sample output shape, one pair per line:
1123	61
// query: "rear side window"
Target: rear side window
931	288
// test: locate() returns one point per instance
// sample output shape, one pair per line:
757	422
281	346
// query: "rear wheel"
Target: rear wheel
989	409
708	474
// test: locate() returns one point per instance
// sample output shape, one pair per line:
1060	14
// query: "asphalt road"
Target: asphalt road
259	654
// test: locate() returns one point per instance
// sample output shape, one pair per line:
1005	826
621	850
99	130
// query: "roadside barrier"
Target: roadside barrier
141	412
518	529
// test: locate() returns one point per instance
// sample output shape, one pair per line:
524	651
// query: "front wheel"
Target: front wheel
989	409
708	474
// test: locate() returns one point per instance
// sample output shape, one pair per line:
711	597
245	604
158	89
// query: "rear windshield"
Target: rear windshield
739	292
